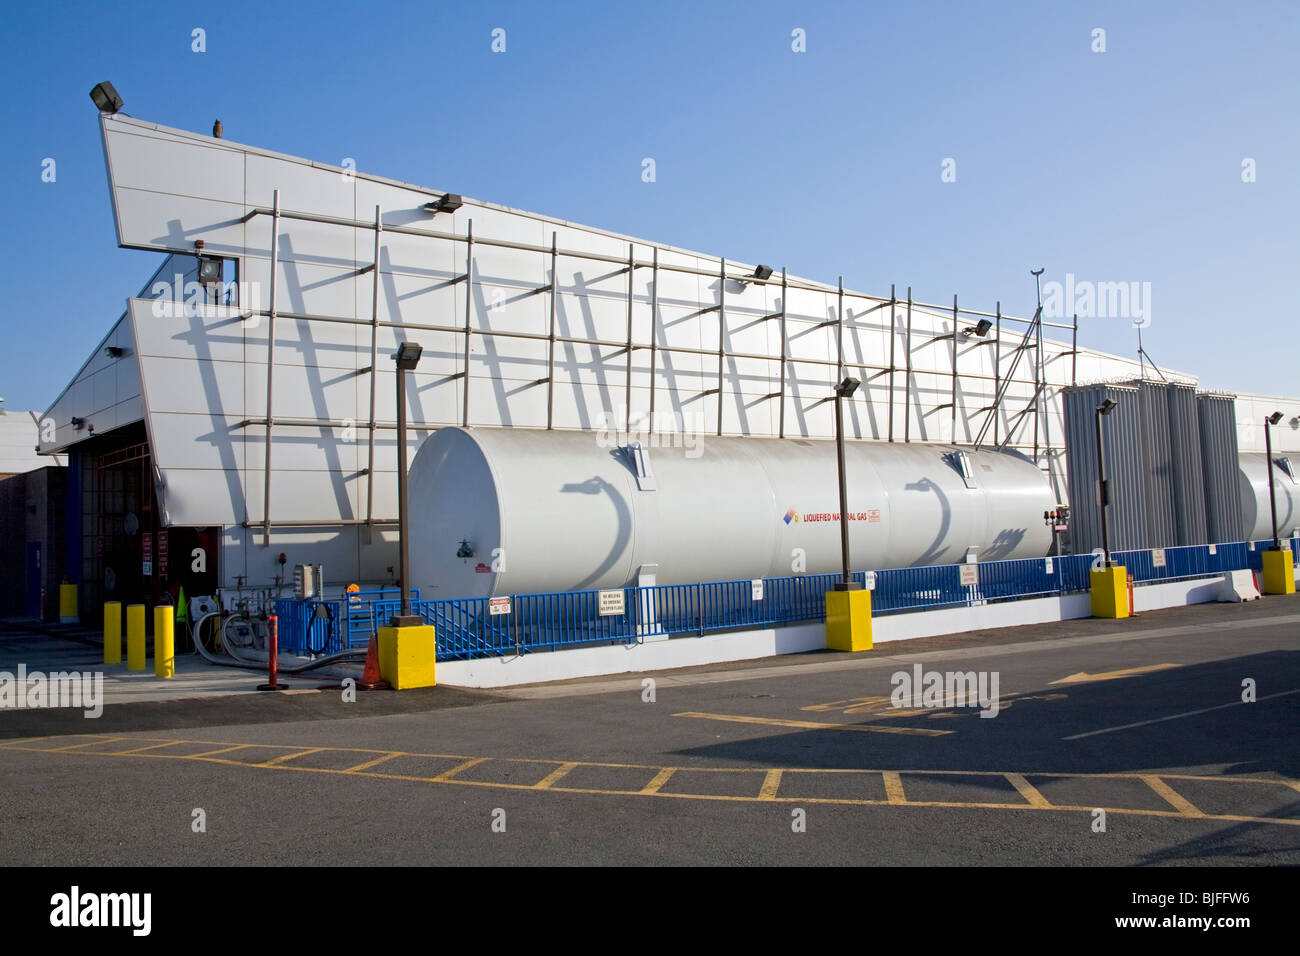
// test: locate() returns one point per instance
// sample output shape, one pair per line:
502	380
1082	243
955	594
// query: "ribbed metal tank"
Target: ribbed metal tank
558	511
1157	465
1225	520
1186	467
1122	437
1256	515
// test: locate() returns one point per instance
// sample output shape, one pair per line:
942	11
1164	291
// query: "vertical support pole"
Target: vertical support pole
404	542
374	378
785	291
469	311
1074	353
893	343
997	371
654	332
627	381
953	409
907	378
270	371
839	333
550	354
722	331
1038	385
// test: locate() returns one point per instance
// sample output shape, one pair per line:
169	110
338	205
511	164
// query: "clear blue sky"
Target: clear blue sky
1116	166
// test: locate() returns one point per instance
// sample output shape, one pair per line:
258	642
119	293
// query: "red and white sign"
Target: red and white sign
499	605
873	515
482	568
146	544
162	554
970	575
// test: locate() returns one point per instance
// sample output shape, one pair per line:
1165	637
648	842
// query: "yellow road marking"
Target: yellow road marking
893	787
84	743
371	763
554	776
659	780
1084	678
772	780
771	784
276	761
219	750
137	750
1171	796
1028	791
464	765
816	725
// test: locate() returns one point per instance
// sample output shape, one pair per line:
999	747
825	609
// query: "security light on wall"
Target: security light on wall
449	202
209	271
847	387
106	98
762	273
980	328
115	351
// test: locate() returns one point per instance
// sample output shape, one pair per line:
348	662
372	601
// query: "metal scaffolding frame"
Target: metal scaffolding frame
628	345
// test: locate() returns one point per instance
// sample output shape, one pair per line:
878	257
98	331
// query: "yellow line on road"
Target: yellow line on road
464	765
138	750
894	787
1085	678
219	750
771	784
85	743
276	761
1171	796
373	763
816	725
1028	791
659	780
554	776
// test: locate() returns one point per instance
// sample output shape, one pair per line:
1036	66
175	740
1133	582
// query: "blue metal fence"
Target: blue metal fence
467	628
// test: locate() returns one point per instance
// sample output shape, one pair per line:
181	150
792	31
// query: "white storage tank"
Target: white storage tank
513	511
1254	495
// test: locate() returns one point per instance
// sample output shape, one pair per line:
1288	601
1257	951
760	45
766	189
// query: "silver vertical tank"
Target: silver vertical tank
532	510
1254	496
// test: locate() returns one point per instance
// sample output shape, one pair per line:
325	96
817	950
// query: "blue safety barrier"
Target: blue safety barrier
468	628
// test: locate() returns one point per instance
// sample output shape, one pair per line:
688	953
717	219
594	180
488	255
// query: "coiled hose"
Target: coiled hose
342	657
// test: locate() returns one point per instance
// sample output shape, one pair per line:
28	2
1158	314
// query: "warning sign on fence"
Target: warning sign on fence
611	603
970	575
499	605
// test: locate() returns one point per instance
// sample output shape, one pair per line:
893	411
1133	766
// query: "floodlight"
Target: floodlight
448	202
408	356
762	273
847	387
1106	407
106	98
1274	418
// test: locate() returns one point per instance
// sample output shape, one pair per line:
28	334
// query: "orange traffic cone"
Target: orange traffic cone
371	679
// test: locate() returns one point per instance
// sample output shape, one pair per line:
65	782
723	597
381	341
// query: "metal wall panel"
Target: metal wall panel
1157	465
1122	440
1186	467
1219	459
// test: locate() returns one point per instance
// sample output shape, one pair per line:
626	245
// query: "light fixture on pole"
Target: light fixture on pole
407	358
980	328
1269	422
843	390
105	98
1103	487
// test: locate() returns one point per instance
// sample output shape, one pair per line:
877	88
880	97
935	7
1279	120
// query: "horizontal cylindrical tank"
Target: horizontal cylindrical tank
1254	496
511	511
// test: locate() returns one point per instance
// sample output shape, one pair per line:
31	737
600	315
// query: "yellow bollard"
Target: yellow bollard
135	637
112	632
68	604
164	658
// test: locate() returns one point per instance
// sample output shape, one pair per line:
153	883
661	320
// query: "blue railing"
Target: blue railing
467	628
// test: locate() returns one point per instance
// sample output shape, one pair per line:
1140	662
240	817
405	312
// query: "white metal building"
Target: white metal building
266	396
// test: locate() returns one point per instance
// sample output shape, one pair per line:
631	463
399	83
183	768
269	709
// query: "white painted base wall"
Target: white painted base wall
798	638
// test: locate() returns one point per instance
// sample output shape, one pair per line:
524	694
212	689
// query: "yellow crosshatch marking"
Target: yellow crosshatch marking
817	725
770	784
884	706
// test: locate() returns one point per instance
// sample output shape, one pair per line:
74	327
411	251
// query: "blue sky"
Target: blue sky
1117	166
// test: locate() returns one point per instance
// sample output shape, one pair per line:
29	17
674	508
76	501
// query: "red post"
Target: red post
1132	609
273	656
